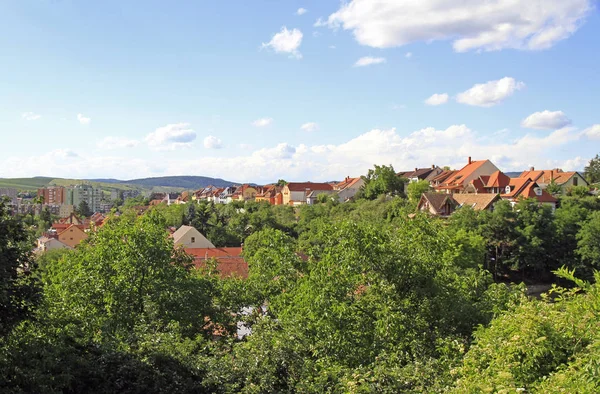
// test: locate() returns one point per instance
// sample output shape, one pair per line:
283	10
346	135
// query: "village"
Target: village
479	185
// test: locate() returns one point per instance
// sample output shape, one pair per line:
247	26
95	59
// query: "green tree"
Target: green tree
414	190
592	170
554	188
83	209
127	274
19	290
281	182
382	180
588	241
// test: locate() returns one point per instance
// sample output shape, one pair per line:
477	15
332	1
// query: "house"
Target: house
348	188
244	193
438	204
45	244
420	174
229	260
271	194
72	235
203	194
226	195
479	202
189	237
295	193
459	180
494	183
520	188
439	179
312	197
561	178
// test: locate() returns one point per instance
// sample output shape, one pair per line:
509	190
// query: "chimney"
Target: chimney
433	166
531	168
416	169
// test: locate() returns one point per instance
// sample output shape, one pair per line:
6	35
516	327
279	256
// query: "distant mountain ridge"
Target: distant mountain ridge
183	181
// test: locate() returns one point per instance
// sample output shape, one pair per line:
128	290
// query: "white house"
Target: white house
189	237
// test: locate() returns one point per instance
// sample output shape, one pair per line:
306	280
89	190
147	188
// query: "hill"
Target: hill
184	182
27	184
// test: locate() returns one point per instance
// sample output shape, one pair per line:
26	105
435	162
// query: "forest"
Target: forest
357	297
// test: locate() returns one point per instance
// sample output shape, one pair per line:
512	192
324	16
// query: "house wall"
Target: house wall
54	244
199	240
571	182
487	168
72	236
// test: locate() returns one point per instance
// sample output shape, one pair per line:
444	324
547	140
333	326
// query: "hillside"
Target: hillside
184	182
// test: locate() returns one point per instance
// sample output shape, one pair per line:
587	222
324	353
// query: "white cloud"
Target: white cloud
83	120
404	150
368	60
171	137
262	122
310	126
286	41
593	132
471	24
109	143
212	142
301	11
437	99
408	55
546	120
30	116
331	46
490	93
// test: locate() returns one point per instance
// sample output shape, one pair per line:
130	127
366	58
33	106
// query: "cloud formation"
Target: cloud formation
471	24
171	137
29	116
546	120
592	132
110	143
262	122
301	11
212	142
310	126
490	93
437	99
421	148
83	119
286	41
368	60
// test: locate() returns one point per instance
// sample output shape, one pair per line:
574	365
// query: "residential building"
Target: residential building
53	195
229	260
271	194
441	178
295	193
348	188
459	180
564	179
479	202
189	237
226	195
92	196
312	197
72	235
520	188
244	193
438	204
45	244
421	174
10	193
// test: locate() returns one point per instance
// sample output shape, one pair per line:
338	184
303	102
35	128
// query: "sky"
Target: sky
255	91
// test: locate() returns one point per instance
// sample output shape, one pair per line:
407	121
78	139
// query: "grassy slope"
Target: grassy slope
32	184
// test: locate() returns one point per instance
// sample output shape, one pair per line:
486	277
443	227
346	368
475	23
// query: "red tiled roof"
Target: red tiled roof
498	179
546	176
300	187
529	192
230	260
443	176
459	177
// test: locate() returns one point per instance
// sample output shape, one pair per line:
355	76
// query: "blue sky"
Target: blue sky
257	91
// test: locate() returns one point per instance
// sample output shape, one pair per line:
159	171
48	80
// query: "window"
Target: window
507	190
193	240
575	180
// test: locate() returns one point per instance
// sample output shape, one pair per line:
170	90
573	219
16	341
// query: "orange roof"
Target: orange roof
443	176
529	192
478	202
546	176
498	179
516	186
458	178
230	260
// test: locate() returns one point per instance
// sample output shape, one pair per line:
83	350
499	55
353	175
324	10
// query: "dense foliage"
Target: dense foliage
355	297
